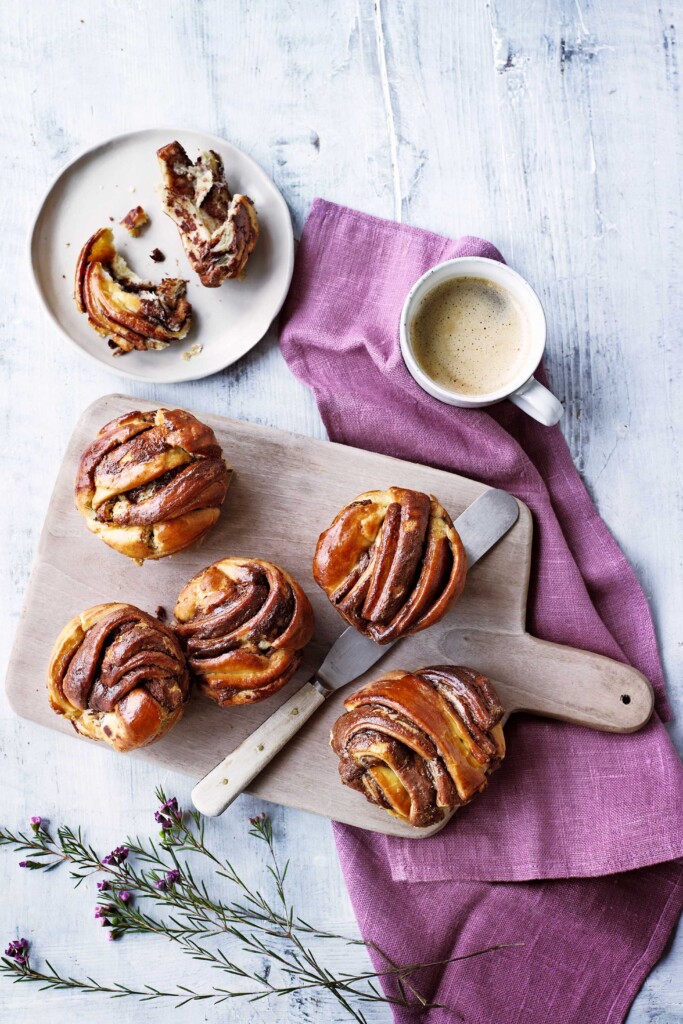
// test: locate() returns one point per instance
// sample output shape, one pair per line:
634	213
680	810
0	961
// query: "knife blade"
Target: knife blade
480	526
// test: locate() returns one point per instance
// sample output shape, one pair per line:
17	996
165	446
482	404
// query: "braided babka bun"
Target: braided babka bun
119	675
151	483
420	744
243	623
391	563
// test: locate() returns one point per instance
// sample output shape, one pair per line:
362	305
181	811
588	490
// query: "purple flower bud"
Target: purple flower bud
18	950
104	922
37	820
116	857
173	876
169	814
125	896
103	886
23	863
162	885
111	936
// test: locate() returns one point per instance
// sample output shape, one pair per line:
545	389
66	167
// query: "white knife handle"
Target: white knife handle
227	780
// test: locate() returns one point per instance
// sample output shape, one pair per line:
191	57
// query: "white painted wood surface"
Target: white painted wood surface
553	130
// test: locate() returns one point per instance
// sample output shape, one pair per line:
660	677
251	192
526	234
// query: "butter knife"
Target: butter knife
480	526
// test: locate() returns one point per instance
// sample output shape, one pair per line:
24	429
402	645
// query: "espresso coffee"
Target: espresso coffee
471	336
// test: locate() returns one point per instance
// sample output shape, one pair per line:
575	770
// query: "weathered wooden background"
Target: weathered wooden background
552	129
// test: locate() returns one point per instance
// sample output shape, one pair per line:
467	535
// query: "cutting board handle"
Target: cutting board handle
580	687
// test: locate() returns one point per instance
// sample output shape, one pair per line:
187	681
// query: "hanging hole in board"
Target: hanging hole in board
625	699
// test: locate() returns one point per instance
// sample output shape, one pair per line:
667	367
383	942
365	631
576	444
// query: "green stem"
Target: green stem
251	920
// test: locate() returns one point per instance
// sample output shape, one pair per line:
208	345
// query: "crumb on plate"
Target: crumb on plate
192	351
134	221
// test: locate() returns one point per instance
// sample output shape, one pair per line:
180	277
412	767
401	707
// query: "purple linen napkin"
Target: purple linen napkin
567	802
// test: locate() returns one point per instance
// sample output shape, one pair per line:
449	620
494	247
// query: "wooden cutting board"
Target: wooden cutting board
285	490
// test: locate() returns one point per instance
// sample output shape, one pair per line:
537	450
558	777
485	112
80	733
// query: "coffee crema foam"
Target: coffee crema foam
471	336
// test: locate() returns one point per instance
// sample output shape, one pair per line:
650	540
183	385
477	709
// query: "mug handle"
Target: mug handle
539	403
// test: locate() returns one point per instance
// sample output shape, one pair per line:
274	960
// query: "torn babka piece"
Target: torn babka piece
133	313
134	221
218	230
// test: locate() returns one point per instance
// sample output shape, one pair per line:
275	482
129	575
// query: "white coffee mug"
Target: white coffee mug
524	390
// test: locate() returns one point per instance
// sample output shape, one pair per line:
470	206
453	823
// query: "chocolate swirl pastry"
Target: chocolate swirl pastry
152	482
134	221
420	744
391	563
218	230
118	675
130	312
243	623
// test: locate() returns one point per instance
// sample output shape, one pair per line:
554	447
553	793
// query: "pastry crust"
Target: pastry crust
419	744
134	221
118	675
120	306
152	483
391	563
218	230
243	623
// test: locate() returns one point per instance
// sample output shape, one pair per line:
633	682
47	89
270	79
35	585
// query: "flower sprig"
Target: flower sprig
148	887
46	853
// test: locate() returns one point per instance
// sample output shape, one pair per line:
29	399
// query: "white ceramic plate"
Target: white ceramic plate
105	182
